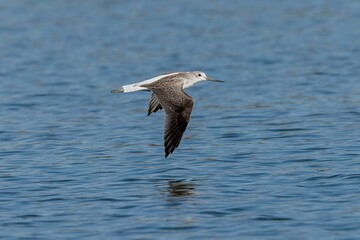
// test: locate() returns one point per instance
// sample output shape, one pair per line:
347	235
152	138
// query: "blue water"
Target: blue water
273	153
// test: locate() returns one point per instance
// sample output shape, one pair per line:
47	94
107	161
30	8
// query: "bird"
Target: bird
168	94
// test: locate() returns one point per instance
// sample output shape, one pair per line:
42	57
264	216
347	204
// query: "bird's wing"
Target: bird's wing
154	104
178	106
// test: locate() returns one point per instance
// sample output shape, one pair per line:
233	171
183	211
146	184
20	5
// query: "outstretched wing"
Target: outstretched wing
154	104
178	106
175	126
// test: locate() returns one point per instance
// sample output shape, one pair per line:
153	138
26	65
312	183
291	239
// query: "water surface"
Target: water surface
273	153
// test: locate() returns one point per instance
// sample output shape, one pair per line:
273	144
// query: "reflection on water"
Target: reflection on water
178	188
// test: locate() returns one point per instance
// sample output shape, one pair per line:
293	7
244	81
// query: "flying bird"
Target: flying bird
168	94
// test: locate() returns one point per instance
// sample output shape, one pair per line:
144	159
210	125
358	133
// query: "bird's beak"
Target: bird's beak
213	80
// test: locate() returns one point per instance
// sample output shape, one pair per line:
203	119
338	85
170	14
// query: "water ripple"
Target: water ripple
273	153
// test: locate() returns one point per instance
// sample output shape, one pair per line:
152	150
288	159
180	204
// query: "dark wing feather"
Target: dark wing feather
154	104
175	126
178	106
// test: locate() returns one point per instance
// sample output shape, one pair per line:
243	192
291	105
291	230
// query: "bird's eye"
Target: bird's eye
199	74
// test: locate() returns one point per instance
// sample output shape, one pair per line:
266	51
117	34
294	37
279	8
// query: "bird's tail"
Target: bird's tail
137	86
130	88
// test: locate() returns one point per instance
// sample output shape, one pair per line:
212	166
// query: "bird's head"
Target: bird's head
198	76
